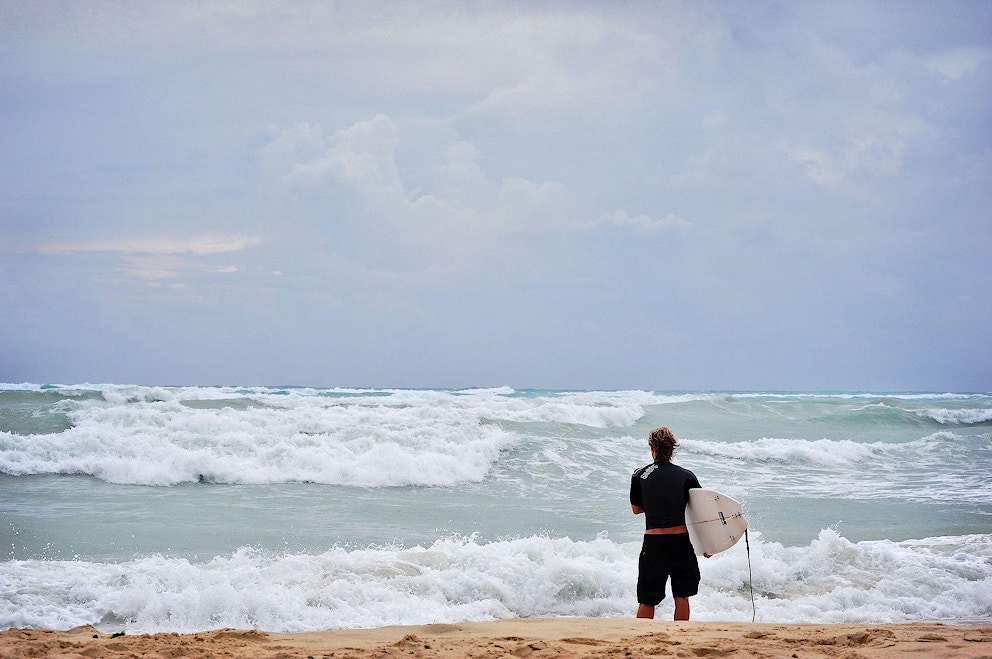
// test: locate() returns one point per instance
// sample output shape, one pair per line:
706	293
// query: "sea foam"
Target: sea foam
165	436
535	475
459	578
395	438
966	416
165	443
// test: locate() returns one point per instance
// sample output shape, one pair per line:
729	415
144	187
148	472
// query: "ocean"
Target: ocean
149	509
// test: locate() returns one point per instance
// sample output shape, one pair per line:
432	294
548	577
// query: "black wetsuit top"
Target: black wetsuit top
662	490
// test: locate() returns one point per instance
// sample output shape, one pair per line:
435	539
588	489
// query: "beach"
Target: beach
529	637
349	329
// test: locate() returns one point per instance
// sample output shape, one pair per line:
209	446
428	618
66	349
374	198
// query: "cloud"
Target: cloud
198	245
157	267
957	63
462	158
152	259
491	58
584	63
459	218
644	222
361	156
874	145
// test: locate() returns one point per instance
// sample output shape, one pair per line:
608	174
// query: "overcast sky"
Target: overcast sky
585	195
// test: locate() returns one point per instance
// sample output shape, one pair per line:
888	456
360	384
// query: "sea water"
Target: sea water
145	509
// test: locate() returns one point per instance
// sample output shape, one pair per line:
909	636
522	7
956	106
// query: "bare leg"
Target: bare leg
681	608
645	611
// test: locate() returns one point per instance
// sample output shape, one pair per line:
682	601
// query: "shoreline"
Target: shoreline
536	638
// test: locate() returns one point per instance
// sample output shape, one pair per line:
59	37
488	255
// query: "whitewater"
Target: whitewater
146	509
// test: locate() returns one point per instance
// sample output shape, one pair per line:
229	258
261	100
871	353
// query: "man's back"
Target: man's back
662	490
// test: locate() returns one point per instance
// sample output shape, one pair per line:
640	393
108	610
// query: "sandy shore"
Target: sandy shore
535	638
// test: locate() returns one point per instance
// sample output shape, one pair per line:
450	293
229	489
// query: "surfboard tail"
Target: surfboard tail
715	521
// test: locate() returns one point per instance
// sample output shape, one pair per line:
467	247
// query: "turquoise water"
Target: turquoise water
151	509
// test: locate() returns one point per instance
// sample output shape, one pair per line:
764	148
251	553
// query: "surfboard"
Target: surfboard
715	521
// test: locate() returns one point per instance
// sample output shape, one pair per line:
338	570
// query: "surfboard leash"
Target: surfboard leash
750	577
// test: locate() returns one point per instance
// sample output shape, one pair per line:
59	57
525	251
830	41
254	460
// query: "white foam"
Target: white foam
835	580
819	452
593	416
457	579
387	438
164	443
957	416
370	438
942	466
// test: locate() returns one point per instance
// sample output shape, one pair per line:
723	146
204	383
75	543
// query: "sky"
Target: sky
570	195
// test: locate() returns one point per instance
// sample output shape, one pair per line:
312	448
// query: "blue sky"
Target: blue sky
590	195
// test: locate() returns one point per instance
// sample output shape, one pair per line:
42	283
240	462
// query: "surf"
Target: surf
459	578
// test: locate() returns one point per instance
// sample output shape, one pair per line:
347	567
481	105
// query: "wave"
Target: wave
967	416
942	466
168	443
786	451
825	452
393	438
461	579
889	413
923	452
367	438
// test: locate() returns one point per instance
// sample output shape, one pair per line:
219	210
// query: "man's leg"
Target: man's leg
645	611
681	608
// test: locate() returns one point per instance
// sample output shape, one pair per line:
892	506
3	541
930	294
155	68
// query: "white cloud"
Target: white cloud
198	245
458	218
957	63
489	131
361	156
818	165
302	142
587	64
877	144
156	267
152	259
495	59
874	145
644	222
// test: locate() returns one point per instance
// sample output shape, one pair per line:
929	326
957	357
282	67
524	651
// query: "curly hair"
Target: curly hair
663	441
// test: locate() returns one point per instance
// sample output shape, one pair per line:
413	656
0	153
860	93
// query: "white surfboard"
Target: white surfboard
715	521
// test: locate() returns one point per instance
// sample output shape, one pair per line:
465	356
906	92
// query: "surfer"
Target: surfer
660	490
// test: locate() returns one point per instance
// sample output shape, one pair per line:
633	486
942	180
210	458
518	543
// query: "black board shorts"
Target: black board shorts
664	556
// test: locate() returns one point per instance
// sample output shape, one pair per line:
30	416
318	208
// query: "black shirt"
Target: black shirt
662	490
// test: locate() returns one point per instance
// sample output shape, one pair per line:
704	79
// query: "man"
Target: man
660	490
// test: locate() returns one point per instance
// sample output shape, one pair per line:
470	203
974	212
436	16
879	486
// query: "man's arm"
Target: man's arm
637	509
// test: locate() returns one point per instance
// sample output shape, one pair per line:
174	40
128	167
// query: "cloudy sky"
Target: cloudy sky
588	195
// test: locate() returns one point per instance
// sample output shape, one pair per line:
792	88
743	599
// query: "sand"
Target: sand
534	638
